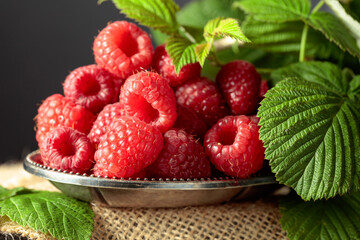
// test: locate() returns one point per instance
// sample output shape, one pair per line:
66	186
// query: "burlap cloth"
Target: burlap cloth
243	220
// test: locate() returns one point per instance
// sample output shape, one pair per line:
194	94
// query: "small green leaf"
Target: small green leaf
276	10
334	219
63	217
181	51
335	31
310	130
223	27
157	14
202	51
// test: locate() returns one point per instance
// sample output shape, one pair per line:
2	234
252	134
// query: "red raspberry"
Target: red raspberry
148	96
181	157
264	87
162	63
189	121
240	85
57	110
129	146
123	48
67	149
103	121
203	97
91	87
234	147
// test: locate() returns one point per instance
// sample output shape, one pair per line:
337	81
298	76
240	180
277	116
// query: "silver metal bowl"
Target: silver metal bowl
151	193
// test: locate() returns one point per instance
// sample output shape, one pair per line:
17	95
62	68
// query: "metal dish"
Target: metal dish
149	193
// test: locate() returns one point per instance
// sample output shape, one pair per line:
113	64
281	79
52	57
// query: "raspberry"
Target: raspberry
203	97
103	121
129	146
57	110
234	147
91	87
147	96
189	121
240	84
123	48
181	157
162	63
67	149
264	87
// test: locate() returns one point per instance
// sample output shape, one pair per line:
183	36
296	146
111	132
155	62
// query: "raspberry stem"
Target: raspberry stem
187	34
303	42
305	32
318	6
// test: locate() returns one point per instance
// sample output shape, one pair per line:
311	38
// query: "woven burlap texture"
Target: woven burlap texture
244	220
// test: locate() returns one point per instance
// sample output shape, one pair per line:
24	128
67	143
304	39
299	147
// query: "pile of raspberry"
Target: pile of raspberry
130	115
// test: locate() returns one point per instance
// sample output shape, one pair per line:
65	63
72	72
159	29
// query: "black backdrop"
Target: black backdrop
41	41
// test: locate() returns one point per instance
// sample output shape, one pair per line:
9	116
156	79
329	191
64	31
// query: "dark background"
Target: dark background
41	41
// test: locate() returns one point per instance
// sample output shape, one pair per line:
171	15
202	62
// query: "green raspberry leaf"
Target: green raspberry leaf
310	129
276	10
286	37
324	73
354	90
202	51
223	27
181	51
335	219
157	14
63	217
335	31
354	8
7	193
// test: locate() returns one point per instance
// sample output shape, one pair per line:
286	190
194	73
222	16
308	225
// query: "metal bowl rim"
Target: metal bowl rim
55	175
